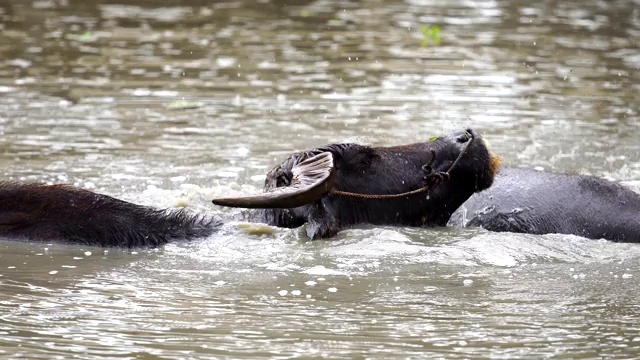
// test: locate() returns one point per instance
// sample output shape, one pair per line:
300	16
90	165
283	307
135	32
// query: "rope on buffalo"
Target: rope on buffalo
425	188
380	196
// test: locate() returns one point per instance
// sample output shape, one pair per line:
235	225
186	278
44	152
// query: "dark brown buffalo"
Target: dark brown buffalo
34	212
298	191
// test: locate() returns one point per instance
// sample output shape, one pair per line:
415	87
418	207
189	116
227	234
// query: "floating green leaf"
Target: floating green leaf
84	37
430	33
184	104
87	36
434	138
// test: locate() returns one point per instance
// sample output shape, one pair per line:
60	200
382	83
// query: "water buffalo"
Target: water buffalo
328	188
385	171
536	202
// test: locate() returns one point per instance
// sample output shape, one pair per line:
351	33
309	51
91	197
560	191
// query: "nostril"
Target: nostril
463	137
466	135
472	133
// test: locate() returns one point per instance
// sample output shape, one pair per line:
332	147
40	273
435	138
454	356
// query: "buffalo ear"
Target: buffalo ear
312	179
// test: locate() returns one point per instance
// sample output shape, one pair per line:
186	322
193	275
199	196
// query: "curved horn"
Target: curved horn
312	179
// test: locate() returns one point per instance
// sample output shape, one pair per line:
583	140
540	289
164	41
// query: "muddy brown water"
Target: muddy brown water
88	96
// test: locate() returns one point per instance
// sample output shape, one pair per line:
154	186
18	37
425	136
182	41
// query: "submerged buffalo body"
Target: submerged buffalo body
305	188
62	213
537	202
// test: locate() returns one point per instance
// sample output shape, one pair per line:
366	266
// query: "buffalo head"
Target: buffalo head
329	188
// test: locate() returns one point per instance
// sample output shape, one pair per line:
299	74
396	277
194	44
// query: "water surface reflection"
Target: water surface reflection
87	97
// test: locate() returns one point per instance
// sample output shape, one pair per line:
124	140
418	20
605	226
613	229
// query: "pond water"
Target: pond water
177	104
